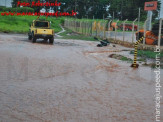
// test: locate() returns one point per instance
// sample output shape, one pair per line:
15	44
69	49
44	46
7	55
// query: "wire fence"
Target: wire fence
123	31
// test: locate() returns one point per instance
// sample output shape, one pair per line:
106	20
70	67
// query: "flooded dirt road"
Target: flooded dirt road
71	81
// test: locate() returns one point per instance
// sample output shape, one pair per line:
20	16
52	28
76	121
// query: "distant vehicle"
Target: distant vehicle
41	29
128	27
151	36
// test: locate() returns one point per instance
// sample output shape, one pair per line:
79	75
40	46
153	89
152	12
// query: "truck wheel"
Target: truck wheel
34	40
29	37
51	40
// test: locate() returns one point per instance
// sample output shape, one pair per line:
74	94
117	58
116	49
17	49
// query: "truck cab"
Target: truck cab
41	29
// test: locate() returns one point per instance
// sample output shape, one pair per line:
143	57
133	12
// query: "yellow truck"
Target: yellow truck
41	29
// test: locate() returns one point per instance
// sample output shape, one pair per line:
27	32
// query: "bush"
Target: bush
1	8
6	9
26	9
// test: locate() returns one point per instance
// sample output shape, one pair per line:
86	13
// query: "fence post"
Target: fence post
104	35
116	29
101	30
74	24
82	27
109	28
71	24
160	28
79	26
96	28
124	30
65	23
133	28
87	28
91	29
145	31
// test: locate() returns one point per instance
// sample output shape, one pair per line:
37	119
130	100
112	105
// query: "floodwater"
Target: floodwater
71	81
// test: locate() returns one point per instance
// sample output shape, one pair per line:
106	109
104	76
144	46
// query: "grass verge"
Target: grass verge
147	54
21	24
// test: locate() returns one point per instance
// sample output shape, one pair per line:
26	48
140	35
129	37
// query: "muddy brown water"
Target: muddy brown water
71	81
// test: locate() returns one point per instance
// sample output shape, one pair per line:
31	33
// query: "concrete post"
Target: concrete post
149	21
104	35
91	29
96	28
124	30
133	28
82	26
109	27
116	29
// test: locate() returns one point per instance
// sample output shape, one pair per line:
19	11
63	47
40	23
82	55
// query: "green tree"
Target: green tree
128	9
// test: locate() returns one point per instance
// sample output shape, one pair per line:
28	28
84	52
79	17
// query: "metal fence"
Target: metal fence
102	29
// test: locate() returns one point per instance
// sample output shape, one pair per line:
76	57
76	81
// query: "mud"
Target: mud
71	81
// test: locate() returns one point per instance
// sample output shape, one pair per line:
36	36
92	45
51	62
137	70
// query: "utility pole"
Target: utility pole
149	16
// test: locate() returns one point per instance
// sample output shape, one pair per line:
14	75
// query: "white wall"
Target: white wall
6	3
161	11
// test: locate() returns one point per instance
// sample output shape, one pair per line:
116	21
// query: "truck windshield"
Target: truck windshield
41	24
